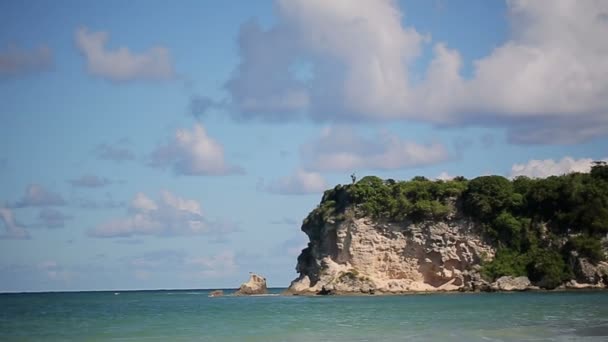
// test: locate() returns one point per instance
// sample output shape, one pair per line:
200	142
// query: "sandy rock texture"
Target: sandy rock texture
508	283
360	255
254	286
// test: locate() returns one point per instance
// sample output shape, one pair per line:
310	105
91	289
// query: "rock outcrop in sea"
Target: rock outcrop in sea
256	285
216	293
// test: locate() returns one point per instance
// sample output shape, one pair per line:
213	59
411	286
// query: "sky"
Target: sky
162	145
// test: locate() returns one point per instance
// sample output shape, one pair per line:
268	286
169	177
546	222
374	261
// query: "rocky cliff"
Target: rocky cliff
383	236
361	255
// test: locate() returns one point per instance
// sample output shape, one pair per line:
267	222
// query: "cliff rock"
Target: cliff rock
587	273
361	255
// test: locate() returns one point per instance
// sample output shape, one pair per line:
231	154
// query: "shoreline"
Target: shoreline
284	292
410	293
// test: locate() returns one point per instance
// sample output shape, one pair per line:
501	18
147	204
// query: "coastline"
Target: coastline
460	291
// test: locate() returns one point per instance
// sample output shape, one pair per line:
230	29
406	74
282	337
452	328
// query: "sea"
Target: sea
190	315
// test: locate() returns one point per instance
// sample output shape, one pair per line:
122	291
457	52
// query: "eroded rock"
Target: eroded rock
574	285
586	272
360	255
255	286
508	283
216	293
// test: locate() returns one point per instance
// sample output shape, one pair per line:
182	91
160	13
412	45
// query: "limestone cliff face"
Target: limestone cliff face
361	255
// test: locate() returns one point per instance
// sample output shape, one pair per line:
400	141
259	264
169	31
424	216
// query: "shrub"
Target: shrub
487	196
507	229
507	262
587	247
547	268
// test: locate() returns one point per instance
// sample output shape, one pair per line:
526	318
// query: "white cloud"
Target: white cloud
444	176
548	77
549	167
342	149
359	55
193	153
141	202
169	216
38	196
301	182
14	230
16	61
121	65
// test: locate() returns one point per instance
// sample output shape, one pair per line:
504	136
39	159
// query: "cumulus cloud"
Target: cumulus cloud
16	61
90	181
301	182
549	167
13	230
358	55
548	76
444	176
193	153
170	215
122	65
118	152
342	149
38	196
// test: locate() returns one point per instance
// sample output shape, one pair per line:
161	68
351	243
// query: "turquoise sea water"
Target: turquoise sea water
192	316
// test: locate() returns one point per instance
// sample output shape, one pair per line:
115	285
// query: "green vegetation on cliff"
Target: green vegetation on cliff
535	224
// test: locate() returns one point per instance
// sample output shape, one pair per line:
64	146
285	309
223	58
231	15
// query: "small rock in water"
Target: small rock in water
255	285
216	293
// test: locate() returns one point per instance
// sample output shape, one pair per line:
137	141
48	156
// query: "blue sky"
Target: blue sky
148	145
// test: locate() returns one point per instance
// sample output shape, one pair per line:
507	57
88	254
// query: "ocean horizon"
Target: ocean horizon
227	290
190	315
